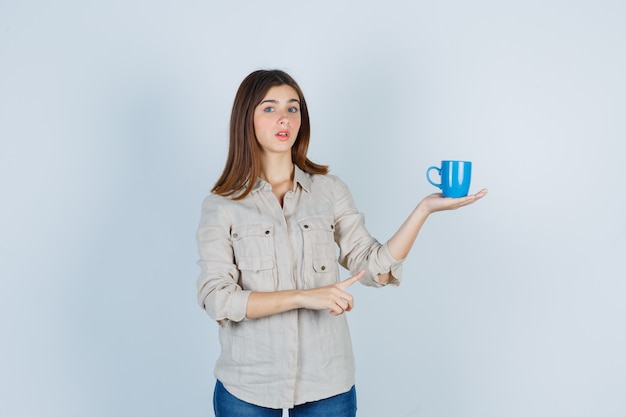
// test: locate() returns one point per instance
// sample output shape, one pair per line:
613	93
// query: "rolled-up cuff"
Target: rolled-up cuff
381	262
237	308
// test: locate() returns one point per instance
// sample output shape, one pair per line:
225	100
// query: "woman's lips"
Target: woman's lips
282	135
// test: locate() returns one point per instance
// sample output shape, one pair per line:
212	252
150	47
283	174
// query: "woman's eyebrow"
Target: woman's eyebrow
293	100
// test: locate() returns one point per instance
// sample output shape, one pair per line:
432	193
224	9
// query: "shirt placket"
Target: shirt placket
286	254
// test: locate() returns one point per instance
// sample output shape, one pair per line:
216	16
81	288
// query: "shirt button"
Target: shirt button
323	268
267	232
235	235
306	226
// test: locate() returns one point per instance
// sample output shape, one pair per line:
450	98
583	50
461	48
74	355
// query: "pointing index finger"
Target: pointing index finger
349	281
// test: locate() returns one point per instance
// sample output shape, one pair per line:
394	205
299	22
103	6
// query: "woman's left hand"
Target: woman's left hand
436	202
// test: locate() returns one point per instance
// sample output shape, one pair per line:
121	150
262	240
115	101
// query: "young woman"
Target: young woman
269	273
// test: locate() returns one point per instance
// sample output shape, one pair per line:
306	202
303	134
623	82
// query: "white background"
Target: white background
113	128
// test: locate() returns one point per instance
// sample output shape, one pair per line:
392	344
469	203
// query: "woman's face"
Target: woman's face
277	119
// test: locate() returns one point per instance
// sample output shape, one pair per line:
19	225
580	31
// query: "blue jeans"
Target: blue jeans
227	405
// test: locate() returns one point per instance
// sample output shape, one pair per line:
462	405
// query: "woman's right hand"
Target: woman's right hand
331	297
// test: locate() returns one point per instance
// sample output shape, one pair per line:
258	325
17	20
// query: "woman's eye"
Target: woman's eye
268	109
293	109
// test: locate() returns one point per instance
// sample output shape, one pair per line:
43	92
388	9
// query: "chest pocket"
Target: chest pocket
320	251
253	245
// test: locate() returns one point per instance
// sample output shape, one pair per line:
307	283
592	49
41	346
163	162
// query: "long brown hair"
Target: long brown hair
243	164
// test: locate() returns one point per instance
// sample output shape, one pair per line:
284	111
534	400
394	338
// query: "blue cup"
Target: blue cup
455	178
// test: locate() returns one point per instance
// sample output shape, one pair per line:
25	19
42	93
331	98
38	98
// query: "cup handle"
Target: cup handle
428	176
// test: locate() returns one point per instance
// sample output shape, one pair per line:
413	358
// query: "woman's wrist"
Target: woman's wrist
422	211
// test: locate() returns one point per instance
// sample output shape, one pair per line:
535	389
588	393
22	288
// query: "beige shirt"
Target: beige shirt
256	245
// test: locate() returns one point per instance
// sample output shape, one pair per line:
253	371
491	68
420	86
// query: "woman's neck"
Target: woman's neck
279	174
277	170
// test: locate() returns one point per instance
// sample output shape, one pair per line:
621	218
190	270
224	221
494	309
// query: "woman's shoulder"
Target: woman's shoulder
327	181
321	178
213	199
216	208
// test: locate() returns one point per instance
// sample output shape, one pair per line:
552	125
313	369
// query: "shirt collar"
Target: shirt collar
259	185
302	178
299	177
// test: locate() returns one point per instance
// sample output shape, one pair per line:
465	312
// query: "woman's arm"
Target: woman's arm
330	297
401	242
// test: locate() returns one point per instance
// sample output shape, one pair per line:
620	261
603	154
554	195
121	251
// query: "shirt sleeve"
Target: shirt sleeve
358	250
218	290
